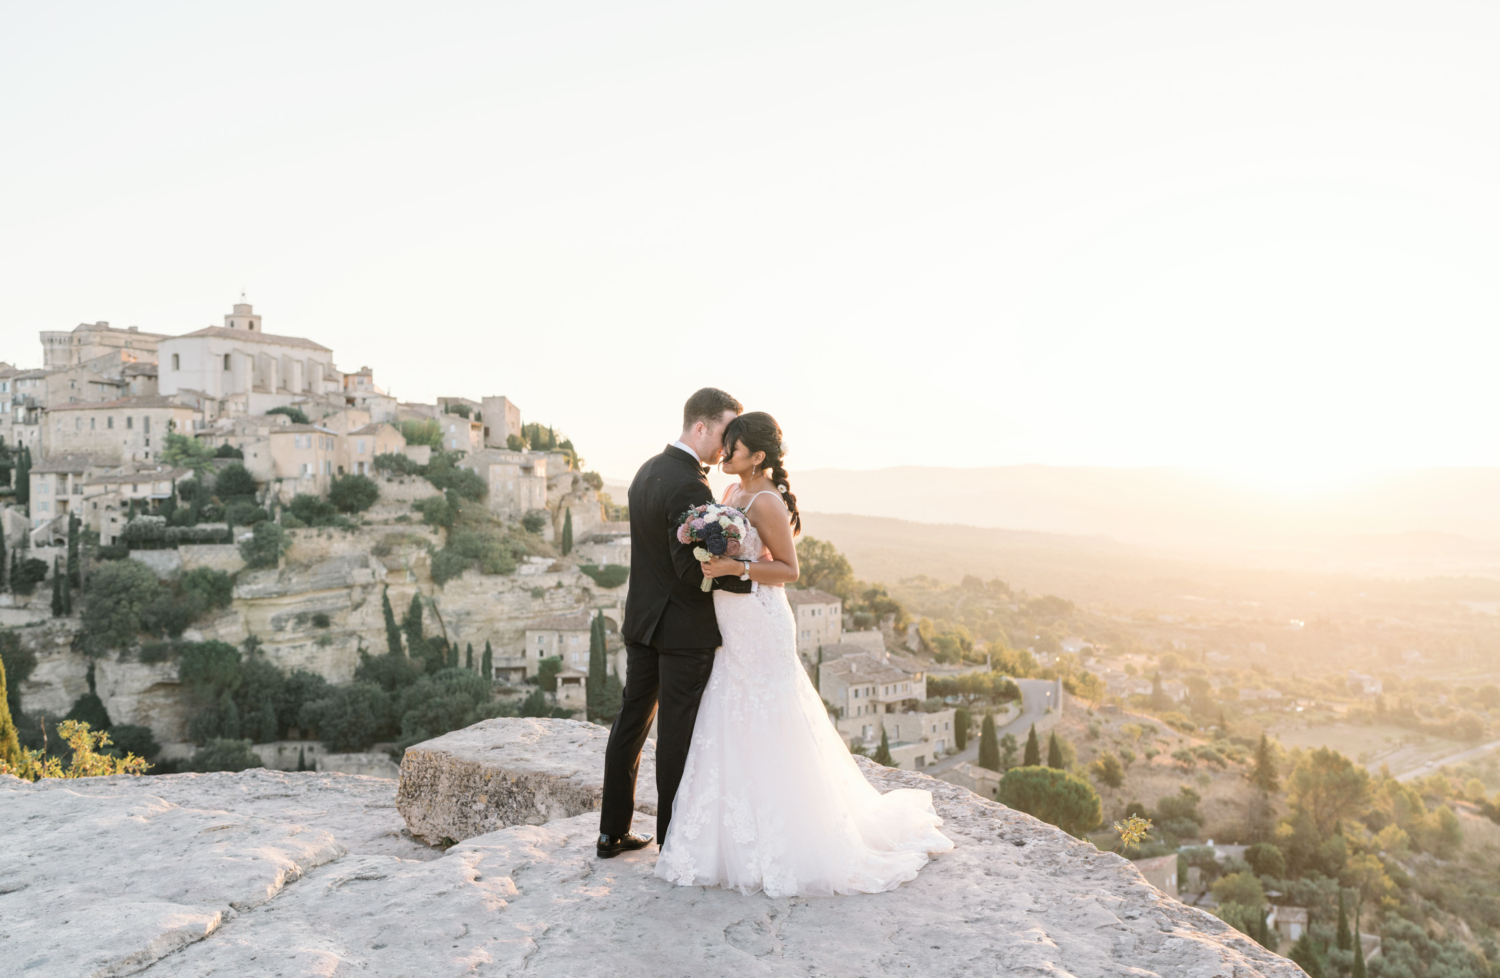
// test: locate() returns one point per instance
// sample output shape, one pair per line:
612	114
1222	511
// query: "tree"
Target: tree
1008	747
1241	888
1266	860
119	596
353	493
1107	770
57	597
883	752
961	723
73	567
23	476
392	633
412	626
487	664
88	757
469	656
1341	938
188	453
1263	774
567	532
989	749
297	415
266	545
598	668
1358	971
234	481
1309	954
821	566
1158	698
1329	788
225	754
546	675
10	743
1054	752
1054	796
1033	755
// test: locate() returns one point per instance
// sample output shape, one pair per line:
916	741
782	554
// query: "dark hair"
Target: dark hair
759	432
708	406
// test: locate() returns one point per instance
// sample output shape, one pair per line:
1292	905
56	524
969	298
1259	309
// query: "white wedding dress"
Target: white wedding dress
771	798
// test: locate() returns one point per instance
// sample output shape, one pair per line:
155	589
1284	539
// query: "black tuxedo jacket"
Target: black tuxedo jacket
667	607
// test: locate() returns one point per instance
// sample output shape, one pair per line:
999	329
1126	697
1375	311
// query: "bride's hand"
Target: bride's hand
723	567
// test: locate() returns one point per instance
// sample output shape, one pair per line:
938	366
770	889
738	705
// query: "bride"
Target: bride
771	798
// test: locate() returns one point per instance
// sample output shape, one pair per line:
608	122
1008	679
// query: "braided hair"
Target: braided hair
759	432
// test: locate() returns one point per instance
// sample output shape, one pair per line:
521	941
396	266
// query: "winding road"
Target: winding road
1036	696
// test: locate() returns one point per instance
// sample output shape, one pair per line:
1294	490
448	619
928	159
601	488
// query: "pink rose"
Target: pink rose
732	548
684	535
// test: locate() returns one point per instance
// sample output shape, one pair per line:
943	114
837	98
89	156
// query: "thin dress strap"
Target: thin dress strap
763	492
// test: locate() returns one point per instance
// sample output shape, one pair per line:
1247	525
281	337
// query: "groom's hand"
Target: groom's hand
723	567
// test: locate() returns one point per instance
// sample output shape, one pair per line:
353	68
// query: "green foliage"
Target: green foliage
227	450
961	721
392	633
1263	774
348	718
566	545
546	673
989	748
207	587
353	493
1054	752
424	431
189	453
487	663
993	687
446	474
131	738
88	757
411	626
821	566
1239	888
609	576
320	619
448	700
297	415
120	595
10	742
1033	756
244	513
209	669
598	667
1108	770
314	510
446	565
234	482
1329	788
1053	796
265	546
1008	748
396	462
535	521
1308	954
89	709
883	752
392	671
26	574
1177	816
436	511
224	754
1266	860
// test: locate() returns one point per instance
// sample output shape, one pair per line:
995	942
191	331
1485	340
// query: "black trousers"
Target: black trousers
676	679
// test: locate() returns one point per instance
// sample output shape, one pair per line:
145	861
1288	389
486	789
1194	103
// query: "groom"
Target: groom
670	630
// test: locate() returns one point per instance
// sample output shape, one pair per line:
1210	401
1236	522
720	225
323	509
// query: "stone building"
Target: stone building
869	696
57	485
980	780
357	449
517	481
86	341
303	457
461	434
502	418
107	497
567	636
819	618
251	370
132	429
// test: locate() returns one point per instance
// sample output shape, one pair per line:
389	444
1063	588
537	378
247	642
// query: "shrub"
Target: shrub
392	672
265	548
87	759
130	738
214	587
89	709
227	450
244	513
446	475
608	576
208	669
28	574
1177	816
297	415
320	619
353	493
1108	770
119	593
234	482
535	521
224	754
436	511
546	673
312	510
1267	860
395	462
1053	796
446	565
442	702
350	718
424	431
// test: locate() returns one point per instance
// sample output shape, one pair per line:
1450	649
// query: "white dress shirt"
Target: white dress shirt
689	450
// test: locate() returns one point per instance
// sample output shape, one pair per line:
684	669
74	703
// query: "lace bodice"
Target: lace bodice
751	548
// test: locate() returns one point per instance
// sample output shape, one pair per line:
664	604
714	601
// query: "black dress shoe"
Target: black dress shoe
609	847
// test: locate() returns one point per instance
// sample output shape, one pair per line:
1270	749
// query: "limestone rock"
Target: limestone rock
509	772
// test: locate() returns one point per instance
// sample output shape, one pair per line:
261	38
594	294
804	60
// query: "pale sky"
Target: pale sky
1255	236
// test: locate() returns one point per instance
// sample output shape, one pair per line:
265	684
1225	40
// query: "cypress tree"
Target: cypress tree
1033	755
412	626
57	599
1342	938
453	656
10	742
67	595
23	476
302	758
1158	699
567	533
1308	954
961	723
469	657
267	719
1358	971
392	633
1263	775
487	664
989	746
598	668
231	730
3	565
73	522
1054	752
15	565
883	752
228	528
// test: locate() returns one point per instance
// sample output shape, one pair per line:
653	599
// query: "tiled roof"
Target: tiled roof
562	623
159	401
72	462
139	475
372	428
810	595
863	668
255	336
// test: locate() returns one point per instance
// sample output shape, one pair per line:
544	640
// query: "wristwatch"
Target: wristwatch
745	576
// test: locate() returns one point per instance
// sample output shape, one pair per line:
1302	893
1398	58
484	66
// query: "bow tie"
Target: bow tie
703	469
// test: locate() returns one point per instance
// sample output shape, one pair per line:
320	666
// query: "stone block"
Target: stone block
508	771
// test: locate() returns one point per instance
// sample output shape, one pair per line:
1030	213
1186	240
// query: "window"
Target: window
146	424
306	469
109	422
77	424
176	361
226	361
359	447
91	423
41	485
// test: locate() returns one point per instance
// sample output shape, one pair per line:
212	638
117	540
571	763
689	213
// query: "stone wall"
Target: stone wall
165	564
215	556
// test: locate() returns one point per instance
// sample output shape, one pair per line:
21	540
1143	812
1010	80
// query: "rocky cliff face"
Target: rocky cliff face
273	873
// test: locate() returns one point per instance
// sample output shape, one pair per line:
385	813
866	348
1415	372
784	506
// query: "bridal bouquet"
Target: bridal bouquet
716	529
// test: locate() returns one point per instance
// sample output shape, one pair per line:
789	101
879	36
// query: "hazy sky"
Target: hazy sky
1261	236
